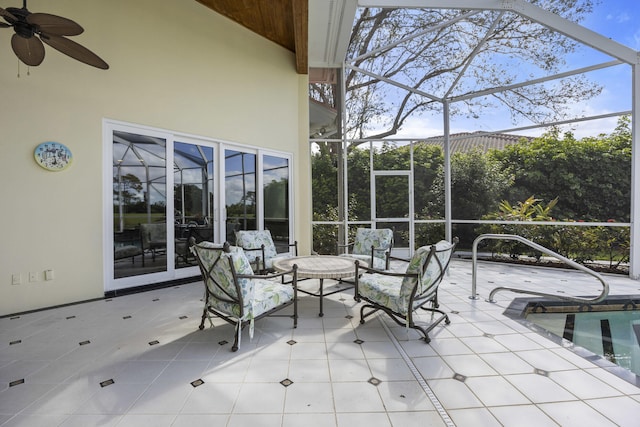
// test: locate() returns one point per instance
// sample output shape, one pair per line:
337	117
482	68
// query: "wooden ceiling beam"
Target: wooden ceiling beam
284	22
301	34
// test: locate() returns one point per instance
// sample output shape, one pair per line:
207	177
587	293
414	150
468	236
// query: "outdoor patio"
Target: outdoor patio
140	360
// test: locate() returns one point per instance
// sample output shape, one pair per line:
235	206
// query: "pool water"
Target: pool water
609	330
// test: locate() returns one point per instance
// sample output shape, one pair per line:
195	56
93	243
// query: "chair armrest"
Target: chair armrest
383	272
271	276
339	246
251	249
264	276
258	259
399	259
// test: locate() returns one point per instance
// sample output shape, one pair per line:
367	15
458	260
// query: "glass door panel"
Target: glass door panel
193	193
240	192
275	176
392	207
392	192
139	204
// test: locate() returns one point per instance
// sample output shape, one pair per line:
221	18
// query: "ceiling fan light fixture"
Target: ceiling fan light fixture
29	50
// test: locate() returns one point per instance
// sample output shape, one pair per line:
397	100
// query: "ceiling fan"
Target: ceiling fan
31	29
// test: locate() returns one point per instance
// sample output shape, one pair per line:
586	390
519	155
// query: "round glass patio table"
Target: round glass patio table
320	267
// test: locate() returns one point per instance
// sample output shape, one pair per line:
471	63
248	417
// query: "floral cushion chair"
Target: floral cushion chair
234	294
372	246
400	295
260	250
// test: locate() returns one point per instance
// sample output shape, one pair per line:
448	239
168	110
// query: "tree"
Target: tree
477	181
127	190
590	177
485	49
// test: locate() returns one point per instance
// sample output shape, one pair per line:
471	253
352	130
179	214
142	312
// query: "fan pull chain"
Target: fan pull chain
28	69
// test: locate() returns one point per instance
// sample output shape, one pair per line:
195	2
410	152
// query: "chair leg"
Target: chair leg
236	344
364	315
295	314
433	324
424	331
204	316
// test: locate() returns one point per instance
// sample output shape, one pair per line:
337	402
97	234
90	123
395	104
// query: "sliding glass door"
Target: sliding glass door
275	175
163	193
139	204
240	181
193	199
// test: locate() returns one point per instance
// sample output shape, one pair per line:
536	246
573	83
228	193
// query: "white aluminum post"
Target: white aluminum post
447	172
344	144
634	255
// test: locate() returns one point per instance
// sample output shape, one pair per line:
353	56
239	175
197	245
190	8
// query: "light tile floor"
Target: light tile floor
140	360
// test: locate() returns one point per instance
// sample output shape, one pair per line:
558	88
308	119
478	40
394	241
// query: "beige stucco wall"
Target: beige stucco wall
175	65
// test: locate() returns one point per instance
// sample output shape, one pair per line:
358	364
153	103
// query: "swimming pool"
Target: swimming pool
604	332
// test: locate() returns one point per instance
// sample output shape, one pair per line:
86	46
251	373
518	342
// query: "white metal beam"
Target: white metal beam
447	171
413	36
536	81
473	55
394	83
634	256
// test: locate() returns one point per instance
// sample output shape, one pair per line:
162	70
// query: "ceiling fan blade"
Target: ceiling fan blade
7	14
74	50
53	24
3	25
28	50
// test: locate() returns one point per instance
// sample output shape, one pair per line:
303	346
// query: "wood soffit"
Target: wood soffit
284	22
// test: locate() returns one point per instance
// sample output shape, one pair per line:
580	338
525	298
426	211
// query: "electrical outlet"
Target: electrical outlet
48	275
33	276
16	279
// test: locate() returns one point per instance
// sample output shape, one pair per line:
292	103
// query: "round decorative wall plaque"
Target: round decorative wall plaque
53	156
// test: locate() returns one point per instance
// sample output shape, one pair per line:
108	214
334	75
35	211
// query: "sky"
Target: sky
618	20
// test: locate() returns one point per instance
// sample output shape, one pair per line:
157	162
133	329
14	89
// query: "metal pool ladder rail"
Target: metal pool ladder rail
474	295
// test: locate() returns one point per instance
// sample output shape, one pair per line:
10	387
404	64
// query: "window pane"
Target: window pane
359	176
193	198
325	239
240	192
428	184
139	204
325	158
392	196
276	199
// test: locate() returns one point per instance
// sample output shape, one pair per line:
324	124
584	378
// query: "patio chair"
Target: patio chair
400	295
126	244
153	238
234	294
372	246
260	250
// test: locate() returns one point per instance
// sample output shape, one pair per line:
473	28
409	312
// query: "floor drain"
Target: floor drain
432	397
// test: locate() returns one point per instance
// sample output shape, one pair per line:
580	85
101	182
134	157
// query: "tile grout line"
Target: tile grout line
434	400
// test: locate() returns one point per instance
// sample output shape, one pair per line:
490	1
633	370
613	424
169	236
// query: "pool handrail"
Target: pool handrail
474	259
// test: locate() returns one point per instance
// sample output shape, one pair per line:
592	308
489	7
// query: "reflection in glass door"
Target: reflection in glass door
163	193
275	175
393	208
139	204
240	192
193	199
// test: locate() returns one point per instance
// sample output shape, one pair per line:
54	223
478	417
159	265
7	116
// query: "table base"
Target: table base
321	294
